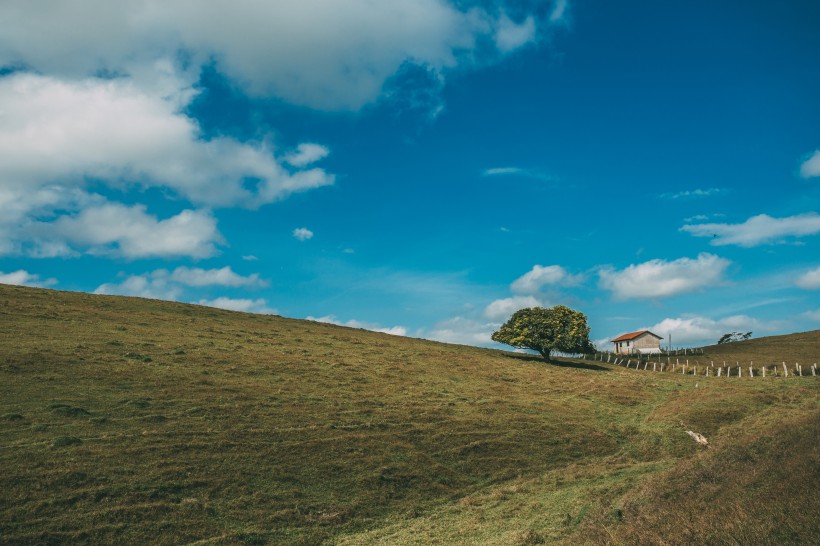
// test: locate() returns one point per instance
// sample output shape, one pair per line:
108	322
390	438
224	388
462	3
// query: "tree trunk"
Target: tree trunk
545	354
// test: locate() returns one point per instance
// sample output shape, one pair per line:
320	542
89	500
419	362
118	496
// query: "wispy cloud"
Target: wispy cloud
758	230
692	194
518	171
662	278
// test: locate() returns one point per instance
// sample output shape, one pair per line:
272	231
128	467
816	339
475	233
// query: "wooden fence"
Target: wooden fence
672	364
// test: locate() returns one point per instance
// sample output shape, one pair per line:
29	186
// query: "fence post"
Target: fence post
720	370
739	372
751	374
655	367
814	369
785	370
763	369
800	370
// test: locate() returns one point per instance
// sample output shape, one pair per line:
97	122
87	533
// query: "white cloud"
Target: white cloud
503	170
691	194
517	171
810	168
170	285
462	331
328	54
696	218
302	234
510	35
119	230
21	277
758	230
258	306
502	309
331	319
56	136
540	276
810	280
54	131
305	154
155	285
225	276
661	278
812	315
699	330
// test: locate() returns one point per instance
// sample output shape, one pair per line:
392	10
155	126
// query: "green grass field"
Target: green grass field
136	421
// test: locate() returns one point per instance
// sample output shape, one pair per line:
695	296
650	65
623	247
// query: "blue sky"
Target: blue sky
421	167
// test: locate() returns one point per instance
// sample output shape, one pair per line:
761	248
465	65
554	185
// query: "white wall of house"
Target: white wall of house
644	344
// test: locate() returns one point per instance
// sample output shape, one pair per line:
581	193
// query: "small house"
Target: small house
643	342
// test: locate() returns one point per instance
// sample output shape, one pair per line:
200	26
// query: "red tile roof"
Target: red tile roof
633	335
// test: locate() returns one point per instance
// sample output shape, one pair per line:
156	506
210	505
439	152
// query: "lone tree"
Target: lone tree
734	336
558	328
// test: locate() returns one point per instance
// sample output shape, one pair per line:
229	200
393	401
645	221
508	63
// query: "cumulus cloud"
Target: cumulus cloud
700	330
328	54
758	230
21	277
331	319
463	331
501	309
540	276
56	137
302	234
810	168
215	277
258	306
119	230
810	280
170	285
155	285
661	278
113	131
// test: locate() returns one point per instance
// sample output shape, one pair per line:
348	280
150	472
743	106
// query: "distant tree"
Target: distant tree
558	328
734	336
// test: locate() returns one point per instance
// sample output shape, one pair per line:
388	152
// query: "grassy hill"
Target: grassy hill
136	421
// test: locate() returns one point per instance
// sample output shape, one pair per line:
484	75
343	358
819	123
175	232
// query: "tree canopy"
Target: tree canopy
734	336
545	330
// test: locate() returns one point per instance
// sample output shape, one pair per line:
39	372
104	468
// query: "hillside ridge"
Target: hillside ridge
125	420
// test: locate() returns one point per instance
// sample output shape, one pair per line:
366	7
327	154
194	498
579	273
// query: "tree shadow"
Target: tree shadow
560	363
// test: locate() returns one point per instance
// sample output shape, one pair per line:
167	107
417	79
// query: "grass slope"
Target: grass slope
135	421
